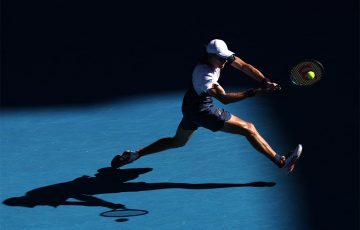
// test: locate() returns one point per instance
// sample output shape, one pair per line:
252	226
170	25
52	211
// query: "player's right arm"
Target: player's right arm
219	93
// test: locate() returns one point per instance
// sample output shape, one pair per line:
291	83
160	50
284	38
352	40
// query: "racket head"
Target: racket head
124	213
298	74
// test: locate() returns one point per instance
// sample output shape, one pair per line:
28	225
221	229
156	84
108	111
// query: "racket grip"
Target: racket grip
264	82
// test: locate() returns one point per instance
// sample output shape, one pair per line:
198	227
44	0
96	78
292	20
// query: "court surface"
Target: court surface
55	170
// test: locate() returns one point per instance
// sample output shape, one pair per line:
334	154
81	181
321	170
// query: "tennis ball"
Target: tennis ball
310	75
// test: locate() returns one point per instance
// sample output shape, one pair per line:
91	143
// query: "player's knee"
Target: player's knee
250	128
177	143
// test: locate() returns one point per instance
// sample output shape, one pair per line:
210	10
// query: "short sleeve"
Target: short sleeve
204	78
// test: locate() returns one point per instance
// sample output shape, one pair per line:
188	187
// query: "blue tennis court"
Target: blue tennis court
55	170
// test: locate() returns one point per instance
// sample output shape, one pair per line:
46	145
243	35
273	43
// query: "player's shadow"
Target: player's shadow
107	180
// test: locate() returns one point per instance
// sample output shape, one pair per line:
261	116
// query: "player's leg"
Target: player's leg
247	129
180	139
238	126
183	134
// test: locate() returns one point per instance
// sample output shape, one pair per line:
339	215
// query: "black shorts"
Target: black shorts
213	119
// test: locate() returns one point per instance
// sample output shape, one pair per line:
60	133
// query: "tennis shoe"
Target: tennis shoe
292	157
123	159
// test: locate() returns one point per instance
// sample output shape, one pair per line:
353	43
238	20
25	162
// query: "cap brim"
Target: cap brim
225	54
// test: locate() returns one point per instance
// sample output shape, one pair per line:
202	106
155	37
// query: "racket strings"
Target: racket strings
298	73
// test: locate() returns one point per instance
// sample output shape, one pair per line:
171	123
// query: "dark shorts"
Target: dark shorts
213	119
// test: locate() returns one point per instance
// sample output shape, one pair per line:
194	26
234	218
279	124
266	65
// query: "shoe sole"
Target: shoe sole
297	152
115	163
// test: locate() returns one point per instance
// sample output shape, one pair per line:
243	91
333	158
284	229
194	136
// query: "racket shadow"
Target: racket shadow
106	180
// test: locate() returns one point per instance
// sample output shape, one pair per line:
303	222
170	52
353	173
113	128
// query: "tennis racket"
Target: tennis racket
299	73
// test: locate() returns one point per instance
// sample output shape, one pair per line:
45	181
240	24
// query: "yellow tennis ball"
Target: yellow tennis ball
310	75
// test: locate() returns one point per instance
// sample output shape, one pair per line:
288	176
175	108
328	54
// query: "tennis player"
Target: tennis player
199	110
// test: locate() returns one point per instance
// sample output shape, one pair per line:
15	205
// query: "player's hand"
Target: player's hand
271	86
261	92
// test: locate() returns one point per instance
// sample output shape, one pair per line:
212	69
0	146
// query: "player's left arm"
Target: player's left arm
251	71
248	69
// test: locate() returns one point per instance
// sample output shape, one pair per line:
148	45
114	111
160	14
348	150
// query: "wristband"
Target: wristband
250	93
264	82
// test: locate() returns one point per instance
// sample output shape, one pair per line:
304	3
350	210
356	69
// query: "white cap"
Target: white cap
218	47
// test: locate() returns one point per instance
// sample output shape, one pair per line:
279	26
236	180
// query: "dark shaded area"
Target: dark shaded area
124	213
58	52
107	180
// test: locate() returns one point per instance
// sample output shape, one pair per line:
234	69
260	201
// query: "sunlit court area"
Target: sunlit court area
62	176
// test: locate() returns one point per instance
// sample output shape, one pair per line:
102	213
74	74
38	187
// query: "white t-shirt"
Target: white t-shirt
204	77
